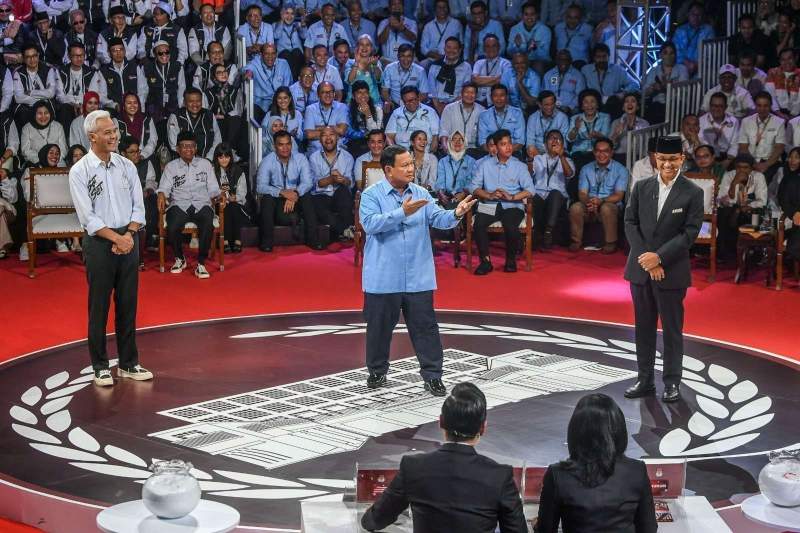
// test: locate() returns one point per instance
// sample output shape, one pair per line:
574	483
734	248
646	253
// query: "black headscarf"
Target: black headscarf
36	106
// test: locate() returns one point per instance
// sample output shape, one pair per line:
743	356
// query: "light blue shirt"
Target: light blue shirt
603	182
398	256
315	116
687	40
365	26
489	68
301	100
403	123
582	142
317	34
293	124
454	176
512	120
106	196
511	176
395	78
539	125
566	87
287	37
434	35
321	168
530	81
251	37
679	73
505	10
548	175
395	39
267	79
577	41
534	42
614	81
492	27
273	176
267	7
437	88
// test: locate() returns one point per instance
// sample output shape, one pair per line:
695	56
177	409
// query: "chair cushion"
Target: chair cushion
705	230
374	175
56	223
499	224
52	190
708	193
192	225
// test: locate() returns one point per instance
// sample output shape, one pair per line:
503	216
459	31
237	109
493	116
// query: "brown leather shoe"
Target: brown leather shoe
609	248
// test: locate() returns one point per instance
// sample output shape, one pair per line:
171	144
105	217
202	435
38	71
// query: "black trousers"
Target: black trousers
336	210
235	218
272	213
382	311
151	217
177	219
509	218
730	218
649	303
546	210
107	272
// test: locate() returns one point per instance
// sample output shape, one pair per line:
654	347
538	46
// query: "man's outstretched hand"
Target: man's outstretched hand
412	206
465	205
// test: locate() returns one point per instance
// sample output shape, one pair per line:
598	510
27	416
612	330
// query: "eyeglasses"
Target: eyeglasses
78	22
8	10
31	56
307	76
163	53
227	156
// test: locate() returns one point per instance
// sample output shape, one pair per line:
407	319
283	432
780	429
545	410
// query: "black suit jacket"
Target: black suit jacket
669	235
452	489
623	504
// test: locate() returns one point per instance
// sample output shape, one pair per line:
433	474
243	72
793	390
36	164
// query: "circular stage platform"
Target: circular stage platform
272	410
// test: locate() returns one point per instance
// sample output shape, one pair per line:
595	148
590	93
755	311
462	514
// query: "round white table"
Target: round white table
759	509
133	517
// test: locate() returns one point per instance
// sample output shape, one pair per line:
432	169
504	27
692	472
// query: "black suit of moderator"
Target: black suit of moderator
623	504
453	489
670	235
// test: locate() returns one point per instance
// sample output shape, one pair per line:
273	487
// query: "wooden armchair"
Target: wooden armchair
525	227
217	239
708	231
780	246
51	212
371	173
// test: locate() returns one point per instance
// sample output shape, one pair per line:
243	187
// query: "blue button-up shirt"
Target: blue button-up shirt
317	34
398	256
315	117
511	176
262	36
395	78
600	182
566	87
454	176
582	142
434	35
548	175
287	37
106	196
577	41
687	40
539	125
530	81
364	26
534	42
614	80
492	27
512	120
395	38
267	79
301	100
321	168
274	176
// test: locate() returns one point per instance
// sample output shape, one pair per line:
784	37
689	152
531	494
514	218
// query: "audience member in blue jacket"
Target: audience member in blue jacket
688	37
530	36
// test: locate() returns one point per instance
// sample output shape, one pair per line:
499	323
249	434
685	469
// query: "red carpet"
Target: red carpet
7	526
51	308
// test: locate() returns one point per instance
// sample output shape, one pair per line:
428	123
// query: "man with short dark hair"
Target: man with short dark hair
763	136
410	117
332	173
720	129
400	74
448	77
74	80
200	122
502	116
609	79
376	142
478	27
453	488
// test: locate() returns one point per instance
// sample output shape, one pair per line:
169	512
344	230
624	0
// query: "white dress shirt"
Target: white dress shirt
723	136
761	136
663	193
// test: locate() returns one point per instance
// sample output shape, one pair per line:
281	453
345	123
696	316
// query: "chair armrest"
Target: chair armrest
781	232
161	212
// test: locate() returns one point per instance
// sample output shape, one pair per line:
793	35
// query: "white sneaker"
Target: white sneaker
61	247
137	373
102	378
201	272
349	233
194	243
23	252
179	265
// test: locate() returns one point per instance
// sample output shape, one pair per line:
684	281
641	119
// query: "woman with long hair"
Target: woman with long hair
788	198
74	154
77	135
283	107
365	116
233	184
598	488
132	121
226	102
705	164
41	130
425	163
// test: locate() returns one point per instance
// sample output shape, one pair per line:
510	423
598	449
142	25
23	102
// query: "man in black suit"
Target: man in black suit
453	488
662	220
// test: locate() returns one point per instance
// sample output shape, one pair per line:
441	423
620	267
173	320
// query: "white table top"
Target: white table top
133	517
759	509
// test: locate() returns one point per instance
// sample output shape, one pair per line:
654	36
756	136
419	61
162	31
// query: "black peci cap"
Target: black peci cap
669	145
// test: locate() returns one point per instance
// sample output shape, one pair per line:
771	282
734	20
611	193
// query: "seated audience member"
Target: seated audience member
763	136
655	82
704	164
605	27
437	32
226	103
48	40
785	35
129	148
531	37
205	31
74	80
216	56
454	172
478	27
341	61
601	189
48	156
365	116
789	201
291	119
486	71
40	131
609	79
688	37
232	181
501	184
448	76
766	17
356	25
586	127
783	83
523	83
553	11
551	170
118	28
255	32
12	30
325	31
506	13
720	129
410	117
453	488
194	118
81	32
742	190
301	91
186	191
629	121
749	76
332	174
33	82
288	39
400	74
425	163
9	144
77	135
166	83
565	81
646	166
502	116
163	29
395	31
598	488
690	136
574	35
132	121
462	116
376	142
120	76
750	38
367	68
268	72
284	182
740	103
545	119
326	112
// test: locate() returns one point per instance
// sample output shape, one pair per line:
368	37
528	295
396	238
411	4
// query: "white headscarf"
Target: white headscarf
457	156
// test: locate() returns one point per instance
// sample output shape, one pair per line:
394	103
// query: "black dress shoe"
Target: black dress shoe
640	389
484	268
264	248
317	246
672	393
510	266
376	380
435	387
236	248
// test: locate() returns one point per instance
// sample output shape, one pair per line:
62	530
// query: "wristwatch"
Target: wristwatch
131	231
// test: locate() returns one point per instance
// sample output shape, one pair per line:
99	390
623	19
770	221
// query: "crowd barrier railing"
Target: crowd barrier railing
683	97
241	52
712	55
734	9
637	142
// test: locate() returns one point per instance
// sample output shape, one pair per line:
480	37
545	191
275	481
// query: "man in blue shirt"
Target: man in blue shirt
502	116
411	117
574	35
502	183
332	172
565	81
522	81
447	77
284	181
530	36
268	72
610	79
357	25
477	29
402	73
398	272
546	119
325	112
688	37
436	33
601	189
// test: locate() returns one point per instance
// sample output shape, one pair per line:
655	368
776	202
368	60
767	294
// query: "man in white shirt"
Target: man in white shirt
487	71
646	166
740	103
720	129
462	116
740	191
763	135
